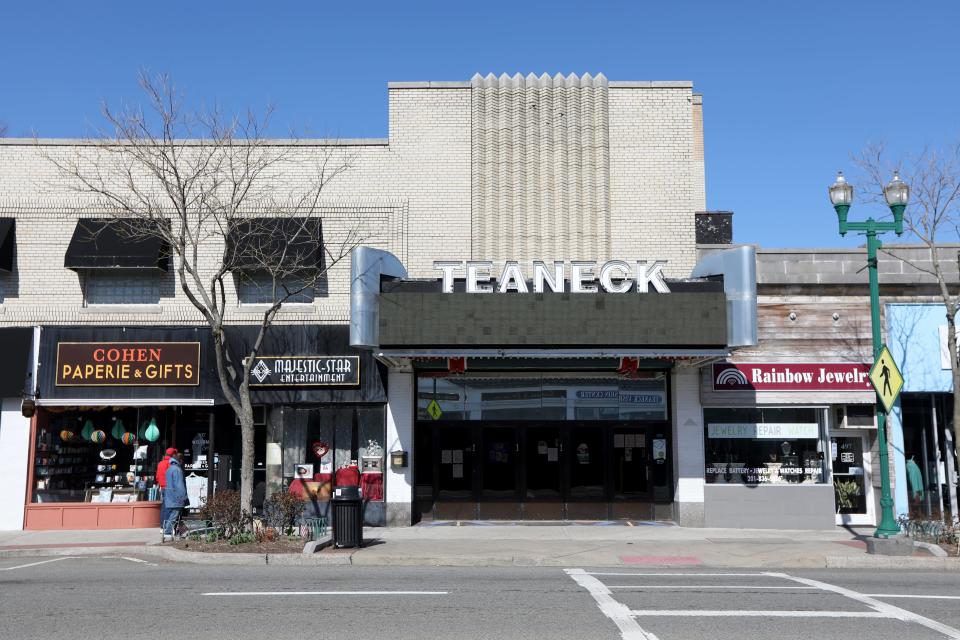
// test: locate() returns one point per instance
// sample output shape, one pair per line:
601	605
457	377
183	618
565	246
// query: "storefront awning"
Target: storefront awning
100	243
257	244
8	241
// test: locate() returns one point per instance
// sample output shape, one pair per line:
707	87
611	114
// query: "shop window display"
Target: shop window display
764	446
102	456
327	447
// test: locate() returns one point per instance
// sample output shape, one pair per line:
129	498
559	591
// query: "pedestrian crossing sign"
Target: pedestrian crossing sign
434	410
886	378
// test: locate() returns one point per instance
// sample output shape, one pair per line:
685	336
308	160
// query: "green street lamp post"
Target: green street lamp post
896	193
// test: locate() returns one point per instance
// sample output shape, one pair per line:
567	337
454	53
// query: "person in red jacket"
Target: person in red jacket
162	467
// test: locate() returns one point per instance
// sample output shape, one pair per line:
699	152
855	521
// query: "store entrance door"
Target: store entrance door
543	491
539	471
852	489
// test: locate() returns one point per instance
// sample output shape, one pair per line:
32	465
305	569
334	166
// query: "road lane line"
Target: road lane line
703	586
735	613
882	607
687	574
910	595
619	613
34	564
326	593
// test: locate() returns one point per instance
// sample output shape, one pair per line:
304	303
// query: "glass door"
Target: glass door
456	469
499	463
586	471
542	452
542	463
631	472
851	486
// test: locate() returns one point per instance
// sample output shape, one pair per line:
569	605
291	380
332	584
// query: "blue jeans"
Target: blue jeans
168	516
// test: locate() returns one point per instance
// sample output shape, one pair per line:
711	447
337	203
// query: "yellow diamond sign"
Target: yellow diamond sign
886	378
434	410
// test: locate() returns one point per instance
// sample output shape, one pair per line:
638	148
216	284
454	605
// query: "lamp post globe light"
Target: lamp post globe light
897	194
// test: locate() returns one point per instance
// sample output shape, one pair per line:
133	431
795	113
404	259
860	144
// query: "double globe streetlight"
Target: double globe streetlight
897	194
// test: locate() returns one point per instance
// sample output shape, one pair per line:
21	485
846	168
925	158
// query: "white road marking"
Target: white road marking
685	575
702	586
735	613
876	605
905	595
619	613
34	564
327	593
138	560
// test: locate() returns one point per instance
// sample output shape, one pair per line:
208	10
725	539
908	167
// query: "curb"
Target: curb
189	557
359	558
892	562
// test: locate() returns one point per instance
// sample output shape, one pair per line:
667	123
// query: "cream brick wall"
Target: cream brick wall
410	194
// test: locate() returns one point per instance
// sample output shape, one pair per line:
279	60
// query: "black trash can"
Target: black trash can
347	517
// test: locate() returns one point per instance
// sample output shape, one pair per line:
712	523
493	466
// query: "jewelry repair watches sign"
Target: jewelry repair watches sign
305	371
128	364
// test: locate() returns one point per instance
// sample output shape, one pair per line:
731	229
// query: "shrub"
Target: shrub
223	512
242	537
282	510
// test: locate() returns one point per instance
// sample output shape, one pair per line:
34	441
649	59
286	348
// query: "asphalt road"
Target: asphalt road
107	598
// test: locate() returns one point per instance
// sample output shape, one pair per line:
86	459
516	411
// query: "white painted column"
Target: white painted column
688	455
400	416
14	457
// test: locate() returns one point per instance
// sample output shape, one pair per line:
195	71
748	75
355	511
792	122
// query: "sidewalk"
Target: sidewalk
490	544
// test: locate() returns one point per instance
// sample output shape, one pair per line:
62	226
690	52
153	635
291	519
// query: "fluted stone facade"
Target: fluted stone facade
540	150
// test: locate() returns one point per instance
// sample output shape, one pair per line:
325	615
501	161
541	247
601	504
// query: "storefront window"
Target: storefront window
325	447
553	397
105	455
764	446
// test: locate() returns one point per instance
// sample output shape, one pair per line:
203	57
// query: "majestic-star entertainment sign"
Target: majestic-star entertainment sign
615	276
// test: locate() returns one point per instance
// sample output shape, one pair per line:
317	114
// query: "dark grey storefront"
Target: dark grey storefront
343	411
541	406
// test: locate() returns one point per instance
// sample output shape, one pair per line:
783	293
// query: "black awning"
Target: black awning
262	244
99	243
16	346
8	240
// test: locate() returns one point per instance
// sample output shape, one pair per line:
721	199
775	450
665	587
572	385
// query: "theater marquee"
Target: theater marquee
128	364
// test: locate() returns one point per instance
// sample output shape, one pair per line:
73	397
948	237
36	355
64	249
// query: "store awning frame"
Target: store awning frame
104	243
251	242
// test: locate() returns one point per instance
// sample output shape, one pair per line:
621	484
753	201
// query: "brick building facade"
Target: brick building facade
496	168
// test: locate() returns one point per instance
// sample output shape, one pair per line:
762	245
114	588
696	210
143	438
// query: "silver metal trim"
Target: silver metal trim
555	353
124	402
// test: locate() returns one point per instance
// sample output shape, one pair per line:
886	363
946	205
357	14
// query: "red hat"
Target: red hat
172	452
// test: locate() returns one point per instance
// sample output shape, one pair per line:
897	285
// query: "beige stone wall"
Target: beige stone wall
630	182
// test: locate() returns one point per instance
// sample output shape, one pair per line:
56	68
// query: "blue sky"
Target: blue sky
790	89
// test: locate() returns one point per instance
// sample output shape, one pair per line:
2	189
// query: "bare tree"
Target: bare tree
3	129
219	195
933	219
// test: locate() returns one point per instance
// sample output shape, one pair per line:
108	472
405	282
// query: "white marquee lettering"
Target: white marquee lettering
614	276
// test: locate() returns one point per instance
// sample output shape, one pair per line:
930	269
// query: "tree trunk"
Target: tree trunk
955	373
247	439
